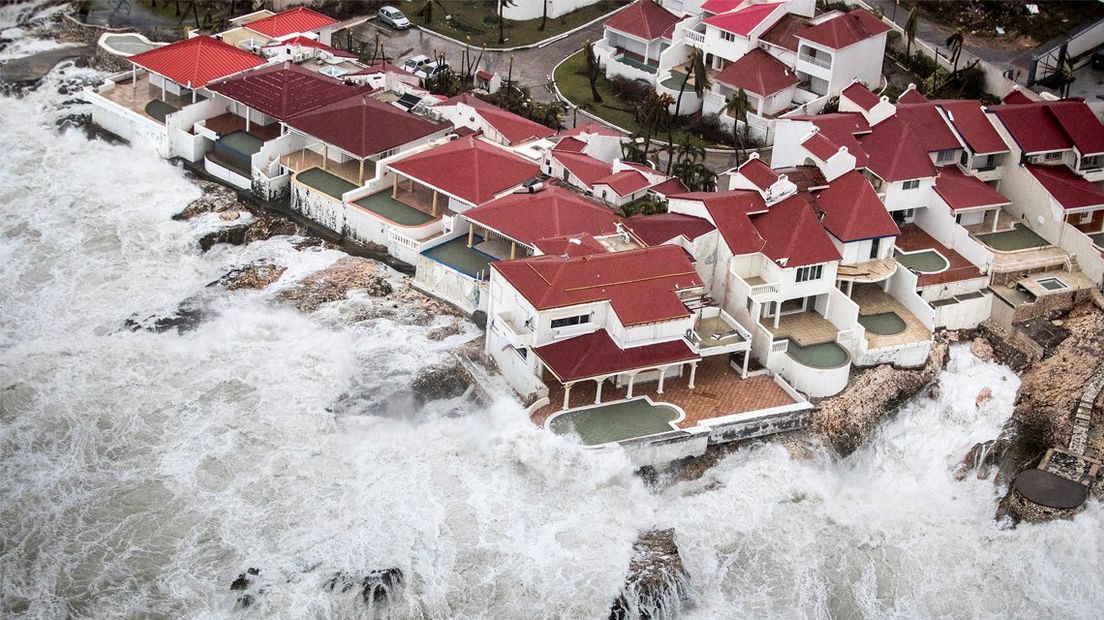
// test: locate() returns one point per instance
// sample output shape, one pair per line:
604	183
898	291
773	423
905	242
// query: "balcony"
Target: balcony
716	332
694	38
819	61
518	337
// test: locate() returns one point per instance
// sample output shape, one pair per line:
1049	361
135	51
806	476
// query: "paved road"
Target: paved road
532	67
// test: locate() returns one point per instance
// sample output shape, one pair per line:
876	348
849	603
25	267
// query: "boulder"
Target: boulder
241	583
440	333
187	316
335	282
984	396
406	305
981	349
254	276
375	587
215	199
268	227
657	584
441	381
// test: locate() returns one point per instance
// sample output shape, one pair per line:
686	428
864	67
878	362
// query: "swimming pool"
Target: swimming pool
924	261
1019	238
823	355
627	419
883	324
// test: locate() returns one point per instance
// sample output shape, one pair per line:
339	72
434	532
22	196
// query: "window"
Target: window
964	159
810	273
944	156
1052	156
1087	217
728	36
523	353
571	320
1088	163
749	302
875	245
911	184
566	174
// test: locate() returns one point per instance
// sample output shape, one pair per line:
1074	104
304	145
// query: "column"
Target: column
632	378
434	211
360	175
164	95
662	375
325	155
777	314
598	393
747	358
134	77
394	185
513	250
567	394
693	373
471	234
996	218
850	288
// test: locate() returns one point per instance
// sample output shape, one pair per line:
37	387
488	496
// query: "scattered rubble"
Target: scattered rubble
254	276
657	584
335	282
441	381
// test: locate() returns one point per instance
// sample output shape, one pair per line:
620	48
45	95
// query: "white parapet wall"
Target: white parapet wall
521	10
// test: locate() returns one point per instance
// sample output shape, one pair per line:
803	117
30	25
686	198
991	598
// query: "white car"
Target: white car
393	17
415	63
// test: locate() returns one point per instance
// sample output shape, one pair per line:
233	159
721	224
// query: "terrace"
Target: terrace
888	323
933	262
352	171
719	391
806	328
457	255
139	96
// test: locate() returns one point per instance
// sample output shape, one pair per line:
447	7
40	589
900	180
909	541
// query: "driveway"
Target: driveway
532	67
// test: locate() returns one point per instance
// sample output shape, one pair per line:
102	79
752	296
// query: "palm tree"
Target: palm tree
737	106
954	45
688	151
653	115
910	31
592	70
701	83
544	16
501	33
631	151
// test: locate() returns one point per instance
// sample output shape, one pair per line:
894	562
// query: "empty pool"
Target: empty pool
1052	284
883	324
128	44
823	355
627	419
924	261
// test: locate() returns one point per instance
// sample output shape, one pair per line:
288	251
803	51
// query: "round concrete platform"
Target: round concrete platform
1050	490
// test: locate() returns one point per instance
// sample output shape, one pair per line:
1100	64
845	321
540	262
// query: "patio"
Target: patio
627	419
874	302
805	328
141	97
719	391
349	171
457	255
228	123
383	205
1016	239
325	182
914	239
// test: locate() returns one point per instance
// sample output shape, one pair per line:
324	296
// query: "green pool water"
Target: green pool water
926	261
459	256
884	324
1098	239
1019	238
387	207
325	182
158	110
824	355
615	422
632	62
242	142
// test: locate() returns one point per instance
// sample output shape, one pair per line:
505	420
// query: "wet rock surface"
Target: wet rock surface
336	281
441	381
254	276
657	584
264	227
215	199
847	419
407	305
187	316
375	587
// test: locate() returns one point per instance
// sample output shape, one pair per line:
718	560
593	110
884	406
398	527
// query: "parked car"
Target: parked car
432	69
393	17
414	64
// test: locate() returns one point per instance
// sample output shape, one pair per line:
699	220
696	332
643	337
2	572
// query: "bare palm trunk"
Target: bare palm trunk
671	123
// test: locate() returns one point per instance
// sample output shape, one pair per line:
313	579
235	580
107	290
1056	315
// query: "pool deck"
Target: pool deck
134	96
1017	239
325	182
386	207
805	328
457	255
719	391
913	239
229	123
349	171
873	300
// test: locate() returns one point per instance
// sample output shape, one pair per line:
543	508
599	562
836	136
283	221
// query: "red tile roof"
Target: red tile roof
662	227
468	168
512	127
312	43
961	191
583	244
911	95
896	153
861	96
928	126
591	128
758	73
842	128
1080	124
730	213
364	126
1068	189
744	21
552	212
625	182
793	234
1052	126
569	145
758	172
818	144
588	169
670	187
844	30
596	354
195	62
641	285
1015	97
284	90
292	21
853	211
644	19
784	32
720	6
974	126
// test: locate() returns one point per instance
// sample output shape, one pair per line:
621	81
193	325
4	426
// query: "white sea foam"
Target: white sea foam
142	472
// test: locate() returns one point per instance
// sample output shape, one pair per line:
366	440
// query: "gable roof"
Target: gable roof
844	30
1080	124
861	96
663	227
644	19
853	211
640	285
591	128
730	212
625	182
743	21
793	234
468	168
512	127
1043	126
312	43
284	90
569	145
550	213
293	21
973	126
758	73
364	126
961	191
582	244
1068	189
596	354
670	187
843	129
758	172
588	169
928	126
1016	96
720	6
820	145
911	95
895	153
195	62
784	32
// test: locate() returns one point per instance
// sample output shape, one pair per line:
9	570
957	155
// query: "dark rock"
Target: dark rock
240	583
335	282
378	586
657	584
245	601
234	235
188	315
440	333
479	317
215	199
268	227
253	571
255	276
440	381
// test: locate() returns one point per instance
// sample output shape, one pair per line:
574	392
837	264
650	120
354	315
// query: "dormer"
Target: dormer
756	175
858	98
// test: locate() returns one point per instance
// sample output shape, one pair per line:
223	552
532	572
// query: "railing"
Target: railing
780	346
695	38
517	337
819	61
770	288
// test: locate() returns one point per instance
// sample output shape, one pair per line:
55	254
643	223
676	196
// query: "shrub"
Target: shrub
711	128
630	90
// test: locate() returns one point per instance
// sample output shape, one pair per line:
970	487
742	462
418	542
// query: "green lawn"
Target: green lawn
574	85
476	21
